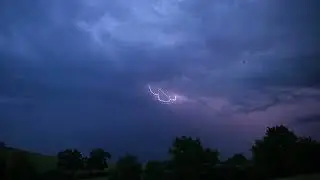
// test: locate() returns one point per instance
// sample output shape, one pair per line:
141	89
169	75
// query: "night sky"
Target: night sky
75	73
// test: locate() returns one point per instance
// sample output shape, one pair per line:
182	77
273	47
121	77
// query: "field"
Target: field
42	163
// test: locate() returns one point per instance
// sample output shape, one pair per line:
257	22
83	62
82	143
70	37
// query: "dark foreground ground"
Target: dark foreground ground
44	163
306	177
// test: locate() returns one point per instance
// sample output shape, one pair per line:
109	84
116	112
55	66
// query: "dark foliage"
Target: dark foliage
98	159
2	145
238	160
281	153
190	160
70	160
155	170
127	168
307	156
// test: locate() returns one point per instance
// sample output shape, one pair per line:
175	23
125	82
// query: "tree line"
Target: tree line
280	153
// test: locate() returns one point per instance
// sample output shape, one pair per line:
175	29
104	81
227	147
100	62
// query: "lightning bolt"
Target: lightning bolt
157	95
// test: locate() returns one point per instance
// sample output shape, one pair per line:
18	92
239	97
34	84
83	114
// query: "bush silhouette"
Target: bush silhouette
237	160
98	159
155	170
70	161
190	160
2	145
126	168
307	156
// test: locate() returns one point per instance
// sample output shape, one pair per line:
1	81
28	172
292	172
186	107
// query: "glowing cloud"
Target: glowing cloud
169	99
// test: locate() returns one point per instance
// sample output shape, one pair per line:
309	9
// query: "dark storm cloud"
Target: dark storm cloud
309	119
298	71
224	29
268	97
88	62
308	125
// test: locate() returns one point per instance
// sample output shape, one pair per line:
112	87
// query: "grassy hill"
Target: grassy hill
42	163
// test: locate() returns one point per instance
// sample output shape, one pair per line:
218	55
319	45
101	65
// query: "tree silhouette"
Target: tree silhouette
98	159
70	160
236	167
127	167
275	152
190	160
237	160
307	155
2	145
155	170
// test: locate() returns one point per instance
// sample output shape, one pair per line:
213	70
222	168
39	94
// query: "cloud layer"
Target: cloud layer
76	72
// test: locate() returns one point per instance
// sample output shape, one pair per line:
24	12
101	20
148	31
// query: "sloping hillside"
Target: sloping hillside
41	162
